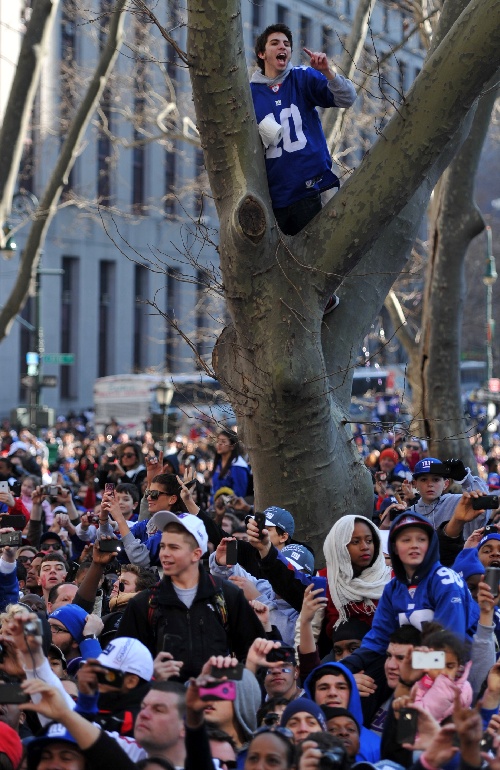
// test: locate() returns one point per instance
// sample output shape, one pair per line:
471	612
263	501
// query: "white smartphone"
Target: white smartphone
426	660
4	486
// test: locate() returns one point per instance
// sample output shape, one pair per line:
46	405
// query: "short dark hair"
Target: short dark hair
176	688
54	557
326	670
131	489
260	43
406	635
214	734
145	578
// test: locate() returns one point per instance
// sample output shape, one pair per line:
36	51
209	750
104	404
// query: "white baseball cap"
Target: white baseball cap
128	655
191	523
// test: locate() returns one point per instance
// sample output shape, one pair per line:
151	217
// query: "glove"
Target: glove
455	469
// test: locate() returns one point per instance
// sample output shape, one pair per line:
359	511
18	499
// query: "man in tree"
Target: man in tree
298	163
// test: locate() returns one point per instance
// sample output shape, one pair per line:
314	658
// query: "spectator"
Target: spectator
187	596
73	631
303	717
59	595
53	570
230	469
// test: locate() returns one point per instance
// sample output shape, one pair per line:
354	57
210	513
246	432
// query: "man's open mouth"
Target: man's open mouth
281	57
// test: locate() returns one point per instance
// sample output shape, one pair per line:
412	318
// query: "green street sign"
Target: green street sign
59	358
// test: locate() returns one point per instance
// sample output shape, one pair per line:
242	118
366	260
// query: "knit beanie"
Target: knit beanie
468	563
73	618
307	705
10	744
330	713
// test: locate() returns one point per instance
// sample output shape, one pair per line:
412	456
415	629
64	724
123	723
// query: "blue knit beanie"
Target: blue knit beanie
73	618
303	704
468	563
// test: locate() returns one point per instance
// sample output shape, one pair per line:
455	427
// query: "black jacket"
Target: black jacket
192	635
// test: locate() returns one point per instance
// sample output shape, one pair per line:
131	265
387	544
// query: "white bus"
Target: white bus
130	400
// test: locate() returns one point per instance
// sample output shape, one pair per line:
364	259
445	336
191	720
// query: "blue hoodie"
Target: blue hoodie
434	593
369	743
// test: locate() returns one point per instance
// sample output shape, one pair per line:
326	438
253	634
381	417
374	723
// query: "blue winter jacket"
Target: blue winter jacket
369	743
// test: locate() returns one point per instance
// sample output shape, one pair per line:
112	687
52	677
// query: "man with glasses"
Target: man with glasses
50	542
283	682
75	632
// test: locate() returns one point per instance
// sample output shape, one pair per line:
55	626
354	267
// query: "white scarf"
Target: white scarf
344	587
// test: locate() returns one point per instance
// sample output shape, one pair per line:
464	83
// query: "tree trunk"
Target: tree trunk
287	371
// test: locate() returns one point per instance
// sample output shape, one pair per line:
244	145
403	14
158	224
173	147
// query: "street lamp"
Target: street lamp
164	394
489	278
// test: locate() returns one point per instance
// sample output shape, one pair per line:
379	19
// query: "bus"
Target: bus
130	400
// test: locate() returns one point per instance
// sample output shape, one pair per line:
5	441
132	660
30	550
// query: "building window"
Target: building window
140	88
305	31
327	39
106	318
27	343
69	324
141	274
67	90
281	14
170	181
257	14
171	337
199	167
104	151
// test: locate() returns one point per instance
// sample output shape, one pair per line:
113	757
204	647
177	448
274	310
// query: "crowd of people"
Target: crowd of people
152	617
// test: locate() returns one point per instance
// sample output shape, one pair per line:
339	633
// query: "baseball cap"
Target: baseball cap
50	536
73	618
191	523
493	481
56	652
430	465
129	655
407	520
55	732
299	557
10	744
280	517
386	502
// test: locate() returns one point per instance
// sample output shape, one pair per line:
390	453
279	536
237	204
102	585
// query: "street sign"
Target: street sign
49	381
28	381
64	359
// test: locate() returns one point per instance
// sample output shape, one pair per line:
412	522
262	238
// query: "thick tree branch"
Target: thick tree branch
48	203
20	103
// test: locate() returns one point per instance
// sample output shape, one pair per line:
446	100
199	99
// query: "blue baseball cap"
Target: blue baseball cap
279	517
54	733
430	465
299	557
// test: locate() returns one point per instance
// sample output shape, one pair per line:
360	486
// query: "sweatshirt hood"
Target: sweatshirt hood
431	558
259	77
336	669
248	701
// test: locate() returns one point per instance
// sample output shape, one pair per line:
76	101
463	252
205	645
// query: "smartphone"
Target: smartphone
15	488
319	582
110	676
232	552
235	673
4	487
492	578
12	539
486	502
260	520
190	484
426	660
283	653
109	546
218	691
12	693
109	489
73	569
16	521
407	726
53	488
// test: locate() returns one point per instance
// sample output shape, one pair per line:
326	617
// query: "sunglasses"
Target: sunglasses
25	559
154	494
128	454
51	546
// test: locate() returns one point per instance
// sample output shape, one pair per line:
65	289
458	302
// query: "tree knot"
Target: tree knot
252	218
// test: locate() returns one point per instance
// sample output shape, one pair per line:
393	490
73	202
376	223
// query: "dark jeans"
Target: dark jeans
292	219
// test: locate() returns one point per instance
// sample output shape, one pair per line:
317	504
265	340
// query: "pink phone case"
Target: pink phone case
223	691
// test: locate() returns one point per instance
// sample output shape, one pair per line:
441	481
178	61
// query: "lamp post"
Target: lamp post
164	394
489	278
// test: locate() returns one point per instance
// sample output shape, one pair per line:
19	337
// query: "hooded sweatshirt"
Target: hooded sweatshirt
369	743
433	593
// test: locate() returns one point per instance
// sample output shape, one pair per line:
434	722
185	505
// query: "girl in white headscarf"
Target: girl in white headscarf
356	571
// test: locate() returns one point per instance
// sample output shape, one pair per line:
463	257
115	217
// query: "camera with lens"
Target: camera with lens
333	759
33	628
